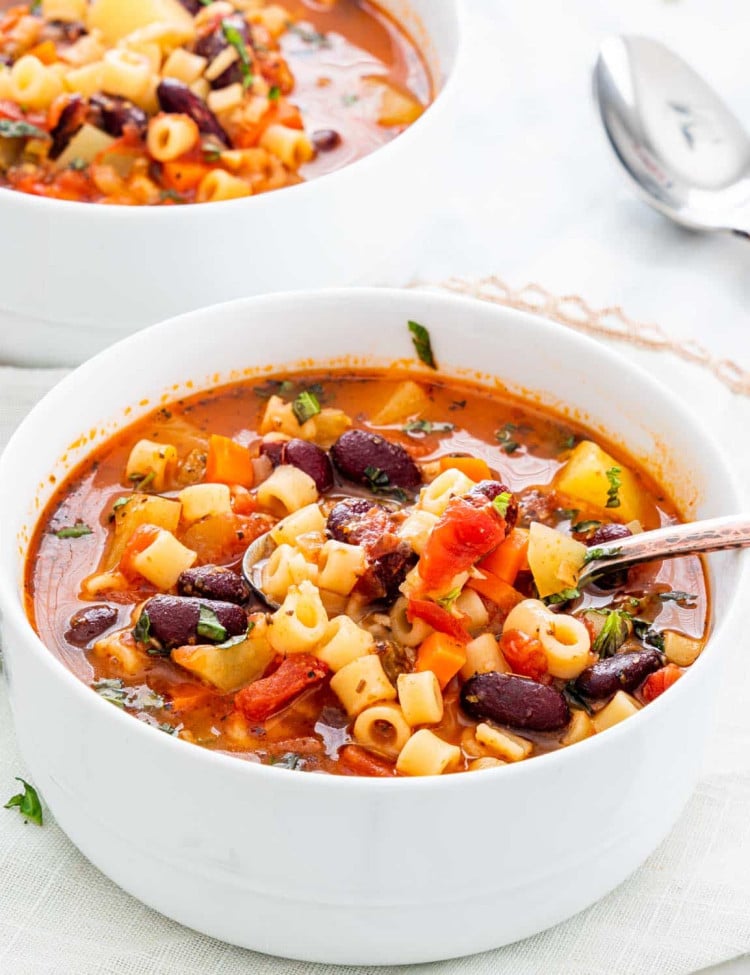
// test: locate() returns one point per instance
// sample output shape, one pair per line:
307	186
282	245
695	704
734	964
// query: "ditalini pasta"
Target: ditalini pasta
165	102
422	613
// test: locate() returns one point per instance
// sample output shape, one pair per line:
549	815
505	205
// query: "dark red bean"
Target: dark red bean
173	620
605	534
176	97
214	582
273	449
325	140
345	519
112	113
492	490
71	120
622	672
514	701
369	459
61	31
311	459
88	624
211	45
192	6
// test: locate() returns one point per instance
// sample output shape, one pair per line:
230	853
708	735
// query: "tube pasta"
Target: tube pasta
420	698
383	729
171	136
33	84
184	66
416	529
86	80
274	18
406	633
503	744
307	521
200	500
126	73
218	186
483	656
289	488
225	99
300	622
149	458
434	497
164	560
362	683
344	642
426	754
67	11
485	762
286	567
341	566
291	146
564	639
470	604
620	707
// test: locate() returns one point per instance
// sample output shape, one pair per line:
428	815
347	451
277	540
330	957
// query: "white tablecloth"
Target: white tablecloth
531	194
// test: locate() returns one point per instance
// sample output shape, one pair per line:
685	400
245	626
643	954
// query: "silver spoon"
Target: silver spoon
685	152
712	535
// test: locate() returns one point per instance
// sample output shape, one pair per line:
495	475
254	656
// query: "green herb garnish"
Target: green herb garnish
142	629
274	93
419	428
503	437
237	41
646	633
423	344
209	625
601	553
141	481
27	803
290	760
613	493
74	531
564	596
273	387
121	502
234	641
585	526
310	36
566	514
617	628
449	598
677	596
113	690
17	129
306	406
567	443
377	479
501	502
78	165
576	700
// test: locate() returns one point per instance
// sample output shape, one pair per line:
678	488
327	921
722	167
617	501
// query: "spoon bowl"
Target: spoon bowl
683	149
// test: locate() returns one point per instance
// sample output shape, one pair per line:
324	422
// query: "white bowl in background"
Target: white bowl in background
77	277
337	869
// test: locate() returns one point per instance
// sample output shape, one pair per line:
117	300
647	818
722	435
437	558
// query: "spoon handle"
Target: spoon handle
713	535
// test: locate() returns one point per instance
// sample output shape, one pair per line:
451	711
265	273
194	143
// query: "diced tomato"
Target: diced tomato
268	695
138	542
190	697
524	654
438	618
354	760
243	503
46	52
14	112
183	175
658	682
463	535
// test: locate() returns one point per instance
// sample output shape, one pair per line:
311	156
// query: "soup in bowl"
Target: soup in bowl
423	659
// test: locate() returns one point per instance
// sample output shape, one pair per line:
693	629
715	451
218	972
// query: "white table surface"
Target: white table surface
532	192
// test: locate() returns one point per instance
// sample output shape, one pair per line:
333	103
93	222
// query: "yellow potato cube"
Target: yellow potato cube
116	19
229	668
554	559
407	399
164	560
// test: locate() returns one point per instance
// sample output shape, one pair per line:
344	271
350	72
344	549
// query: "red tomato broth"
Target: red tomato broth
523	445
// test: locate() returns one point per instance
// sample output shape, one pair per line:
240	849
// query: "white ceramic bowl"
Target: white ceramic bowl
77	277
335	869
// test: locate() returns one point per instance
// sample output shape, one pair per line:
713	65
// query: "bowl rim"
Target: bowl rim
12	610
133	213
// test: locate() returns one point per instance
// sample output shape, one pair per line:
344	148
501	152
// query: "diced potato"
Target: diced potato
503	744
408	399
483	656
580	727
141	509
396	107
620	707
149	458
680	649
328	425
584	478
229	668
115	19
164	560
487	762
555	559
202	500
85	145
120	648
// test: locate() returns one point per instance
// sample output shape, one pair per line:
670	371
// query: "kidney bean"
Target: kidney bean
112	113
71	119
345	518
309	457
325	140
605	534
370	459
61	31
514	701
176	97
492	490
192	6
214	582
211	45
88	624
273	449
174	619
622	672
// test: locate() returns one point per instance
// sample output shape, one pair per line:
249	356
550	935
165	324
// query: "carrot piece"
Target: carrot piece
138	542
182	175
509	558
438	618
496	590
473	467
658	682
228	462
46	52
354	760
441	654
190	697
243	503
524	654
264	697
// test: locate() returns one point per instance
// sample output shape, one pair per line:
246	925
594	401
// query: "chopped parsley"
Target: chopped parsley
613	493
142	629
141	481
505	439
423	344
237	41
564	596
211	150
379	483
274	93
290	760
209	625
121	502
172	195
601	553
566	514
449	598
576	700
501	502
74	531
567	443
313	37
117	693
617	628
78	165
585	526
273	387
306	406
649	636
422	428
27	803
234	641
17	129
